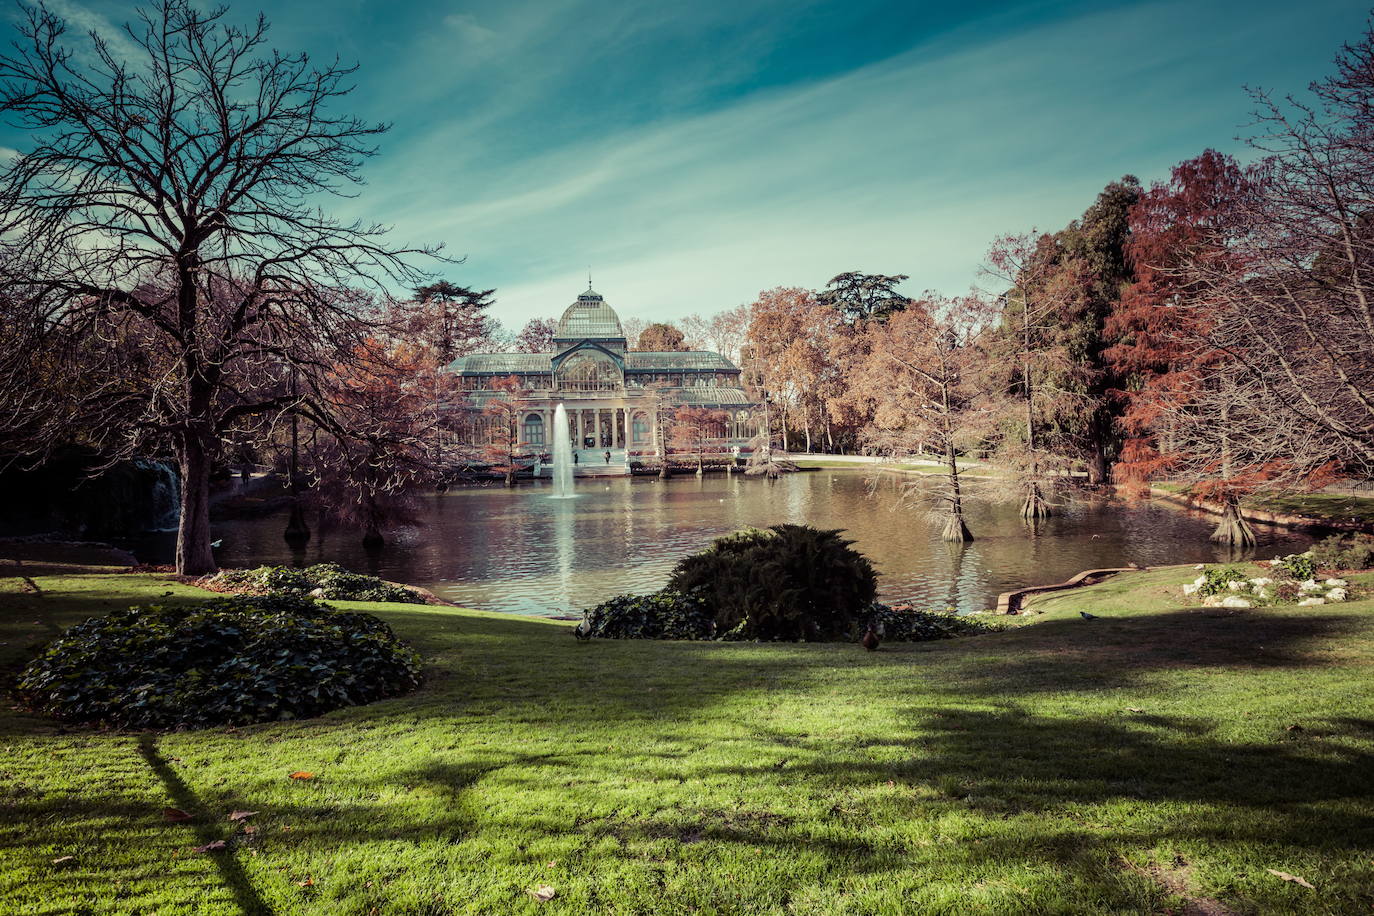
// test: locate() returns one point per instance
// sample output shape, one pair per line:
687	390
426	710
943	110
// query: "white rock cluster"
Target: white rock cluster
1245	593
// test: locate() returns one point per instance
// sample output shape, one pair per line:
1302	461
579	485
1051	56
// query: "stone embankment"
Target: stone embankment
1010	602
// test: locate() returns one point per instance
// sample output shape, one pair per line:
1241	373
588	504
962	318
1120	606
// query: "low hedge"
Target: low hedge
905	624
673	615
662	615
229	661
334	582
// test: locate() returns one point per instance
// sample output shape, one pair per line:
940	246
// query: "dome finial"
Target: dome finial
589	278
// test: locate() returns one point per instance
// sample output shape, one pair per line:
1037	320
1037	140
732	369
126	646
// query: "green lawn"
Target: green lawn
1335	506
1145	762
1320	505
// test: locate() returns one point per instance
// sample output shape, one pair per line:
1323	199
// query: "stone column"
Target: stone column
598	427
627	428
579	428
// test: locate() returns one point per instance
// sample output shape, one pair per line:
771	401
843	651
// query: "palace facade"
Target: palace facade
615	397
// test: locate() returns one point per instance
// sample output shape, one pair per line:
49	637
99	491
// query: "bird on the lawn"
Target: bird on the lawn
583	631
870	640
1086	616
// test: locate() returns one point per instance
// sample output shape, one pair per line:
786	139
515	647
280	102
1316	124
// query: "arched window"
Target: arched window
589	371
532	431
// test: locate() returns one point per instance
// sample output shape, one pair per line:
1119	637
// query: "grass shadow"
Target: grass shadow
249	902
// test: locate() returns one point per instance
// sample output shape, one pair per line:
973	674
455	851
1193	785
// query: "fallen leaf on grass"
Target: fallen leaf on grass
241	815
63	860
1134	709
543	893
302	774
175	815
1287	877
308	882
212	846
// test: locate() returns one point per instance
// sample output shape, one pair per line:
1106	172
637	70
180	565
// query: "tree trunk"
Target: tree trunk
1234	530
194	554
297	531
1097	466
372	533
372	537
1035	507
955	530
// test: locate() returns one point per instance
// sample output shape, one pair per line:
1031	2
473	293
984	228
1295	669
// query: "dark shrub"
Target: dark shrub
904	624
334	582
1352	551
786	582
228	661
662	615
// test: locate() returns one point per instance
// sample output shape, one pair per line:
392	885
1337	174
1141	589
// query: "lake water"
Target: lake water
522	552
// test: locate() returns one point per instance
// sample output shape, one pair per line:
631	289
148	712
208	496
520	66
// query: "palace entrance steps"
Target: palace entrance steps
591	462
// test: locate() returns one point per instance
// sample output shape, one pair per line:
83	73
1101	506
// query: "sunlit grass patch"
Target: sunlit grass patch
1114	765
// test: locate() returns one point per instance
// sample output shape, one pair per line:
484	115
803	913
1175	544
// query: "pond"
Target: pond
522	552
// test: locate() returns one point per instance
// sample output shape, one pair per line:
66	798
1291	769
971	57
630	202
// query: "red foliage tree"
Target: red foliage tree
1180	403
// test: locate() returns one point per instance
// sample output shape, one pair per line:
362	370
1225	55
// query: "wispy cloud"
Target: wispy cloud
693	154
909	165
83	21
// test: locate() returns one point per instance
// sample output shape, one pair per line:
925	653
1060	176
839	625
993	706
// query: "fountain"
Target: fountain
562	456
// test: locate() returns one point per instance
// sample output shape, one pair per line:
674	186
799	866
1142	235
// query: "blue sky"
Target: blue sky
695	153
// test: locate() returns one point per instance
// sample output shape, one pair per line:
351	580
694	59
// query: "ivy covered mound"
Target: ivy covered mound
230	661
323	580
788	582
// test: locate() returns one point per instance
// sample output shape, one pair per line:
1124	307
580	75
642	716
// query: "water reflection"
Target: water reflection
515	550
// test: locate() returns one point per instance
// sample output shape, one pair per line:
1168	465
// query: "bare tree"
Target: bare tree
696	431
1291	294
502	414
163	222
923	368
1227	440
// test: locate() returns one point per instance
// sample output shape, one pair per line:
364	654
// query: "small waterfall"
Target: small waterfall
562	456
164	494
